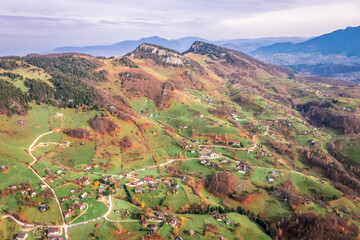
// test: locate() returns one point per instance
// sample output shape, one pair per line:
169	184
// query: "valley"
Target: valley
206	144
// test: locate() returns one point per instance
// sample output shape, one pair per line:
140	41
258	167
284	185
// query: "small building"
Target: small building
175	185
191	233
43	208
166	180
138	191
102	185
160	216
81	206
60	171
87	181
22	236
153	226
172	222
116	211
236	143
87	168
32	193
83	195
100	198
97	225
101	190
43	186
68	214
62	199
53	232
143	223
13	186
179	238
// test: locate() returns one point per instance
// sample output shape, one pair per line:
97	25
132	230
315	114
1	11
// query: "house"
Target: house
271	179
148	179
22	236
100	197
101	190
153	227
160	216
228	222
157	179
83	195
166	180
87	168
68	214
102	185
81	206
191	233
138	191
116	211
13	186
241	168
60	171
87	181
175	185
32	193
143	223
53	232
62	199
172	222
236	143
192	150
43	208
223	160
179	238
43	186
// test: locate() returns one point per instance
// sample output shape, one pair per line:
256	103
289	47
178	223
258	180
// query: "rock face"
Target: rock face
160	55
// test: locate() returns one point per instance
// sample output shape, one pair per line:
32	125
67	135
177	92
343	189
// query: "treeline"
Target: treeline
346	180
11	75
12	99
326	114
311	226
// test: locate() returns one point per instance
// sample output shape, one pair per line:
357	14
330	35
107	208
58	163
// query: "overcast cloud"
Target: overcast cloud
38	25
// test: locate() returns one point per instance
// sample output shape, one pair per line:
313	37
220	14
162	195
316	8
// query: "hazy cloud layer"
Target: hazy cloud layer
39	25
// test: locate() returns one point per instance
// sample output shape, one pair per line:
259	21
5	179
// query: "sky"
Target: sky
28	26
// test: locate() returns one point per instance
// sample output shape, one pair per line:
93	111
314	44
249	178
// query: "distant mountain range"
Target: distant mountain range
343	41
334	55
180	45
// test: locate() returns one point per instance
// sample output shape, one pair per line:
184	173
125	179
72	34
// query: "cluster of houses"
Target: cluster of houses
153	183
222	217
207	153
26	189
263	153
52	234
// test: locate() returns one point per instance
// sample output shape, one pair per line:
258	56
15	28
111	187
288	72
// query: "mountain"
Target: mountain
344	41
159	139
180	45
335	55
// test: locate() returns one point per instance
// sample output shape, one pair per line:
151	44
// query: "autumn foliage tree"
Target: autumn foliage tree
222	183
